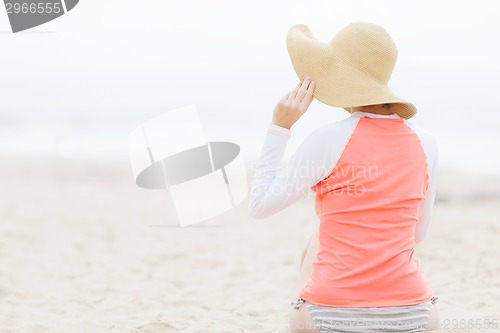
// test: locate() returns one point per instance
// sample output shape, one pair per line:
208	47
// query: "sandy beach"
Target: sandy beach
82	249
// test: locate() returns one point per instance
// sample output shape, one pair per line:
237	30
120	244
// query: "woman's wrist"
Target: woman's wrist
277	123
278	129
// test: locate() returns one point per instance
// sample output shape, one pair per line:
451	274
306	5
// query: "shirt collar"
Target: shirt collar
360	114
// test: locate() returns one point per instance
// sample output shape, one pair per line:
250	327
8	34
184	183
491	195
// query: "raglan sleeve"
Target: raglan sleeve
273	189
426	209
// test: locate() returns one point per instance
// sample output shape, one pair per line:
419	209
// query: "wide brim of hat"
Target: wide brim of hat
338	83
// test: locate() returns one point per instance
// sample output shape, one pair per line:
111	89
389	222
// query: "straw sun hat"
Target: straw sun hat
353	69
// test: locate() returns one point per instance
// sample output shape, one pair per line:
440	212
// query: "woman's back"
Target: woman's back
369	207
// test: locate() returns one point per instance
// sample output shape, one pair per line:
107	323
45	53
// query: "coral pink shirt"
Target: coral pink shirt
374	178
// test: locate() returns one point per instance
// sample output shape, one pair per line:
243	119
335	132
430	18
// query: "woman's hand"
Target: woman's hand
294	104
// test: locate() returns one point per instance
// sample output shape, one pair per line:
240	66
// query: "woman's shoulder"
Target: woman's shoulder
336	128
425	136
428	142
330	137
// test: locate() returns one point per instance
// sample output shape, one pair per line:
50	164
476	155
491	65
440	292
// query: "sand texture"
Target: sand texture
84	250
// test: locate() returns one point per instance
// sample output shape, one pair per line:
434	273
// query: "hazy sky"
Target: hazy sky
122	61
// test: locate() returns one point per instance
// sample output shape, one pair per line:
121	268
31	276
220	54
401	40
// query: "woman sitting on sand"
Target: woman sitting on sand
374	175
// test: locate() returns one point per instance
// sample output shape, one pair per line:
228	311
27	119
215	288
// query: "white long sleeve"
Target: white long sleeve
274	190
426	207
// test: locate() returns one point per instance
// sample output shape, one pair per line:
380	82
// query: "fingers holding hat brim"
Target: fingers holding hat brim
294	91
309	95
304	89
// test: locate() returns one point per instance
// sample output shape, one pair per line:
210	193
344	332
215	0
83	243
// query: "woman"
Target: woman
374	175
